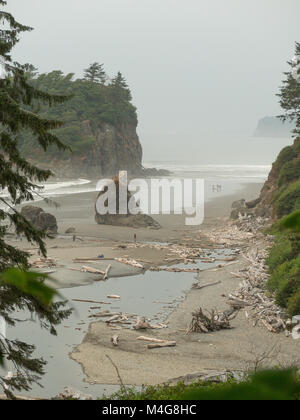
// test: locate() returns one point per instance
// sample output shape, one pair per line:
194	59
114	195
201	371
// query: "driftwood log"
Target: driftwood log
159	345
92	270
107	271
115	340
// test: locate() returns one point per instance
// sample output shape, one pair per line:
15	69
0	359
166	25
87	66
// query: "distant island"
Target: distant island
273	127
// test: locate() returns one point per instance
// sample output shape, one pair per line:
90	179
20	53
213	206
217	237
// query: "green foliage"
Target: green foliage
29	283
19	101
285	156
93	102
292	221
280	253
293	305
154	393
289	200
95	73
288	285
284	258
283	273
266	385
269	385
290	97
284	264
289	172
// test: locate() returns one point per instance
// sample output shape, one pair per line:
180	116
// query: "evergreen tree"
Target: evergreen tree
121	88
95	73
19	178
290	93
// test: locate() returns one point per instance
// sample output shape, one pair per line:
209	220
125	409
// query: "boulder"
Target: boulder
239	204
39	219
253	203
252	208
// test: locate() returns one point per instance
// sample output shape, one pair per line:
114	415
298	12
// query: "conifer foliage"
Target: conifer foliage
95	73
19	180
290	93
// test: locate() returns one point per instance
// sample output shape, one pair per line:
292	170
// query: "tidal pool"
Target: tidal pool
151	294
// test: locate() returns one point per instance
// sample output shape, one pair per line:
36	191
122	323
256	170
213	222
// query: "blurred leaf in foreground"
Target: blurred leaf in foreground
29	283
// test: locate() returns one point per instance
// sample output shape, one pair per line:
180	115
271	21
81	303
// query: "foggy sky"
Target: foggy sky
202	72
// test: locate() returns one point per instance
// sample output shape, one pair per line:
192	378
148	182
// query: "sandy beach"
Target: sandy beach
232	349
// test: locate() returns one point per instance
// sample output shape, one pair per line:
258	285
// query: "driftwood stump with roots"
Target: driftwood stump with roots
204	324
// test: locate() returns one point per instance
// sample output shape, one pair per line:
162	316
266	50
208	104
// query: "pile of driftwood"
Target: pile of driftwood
130	261
251	296
43	263
175	269
252	224
119	319
236	232
176	252
215	321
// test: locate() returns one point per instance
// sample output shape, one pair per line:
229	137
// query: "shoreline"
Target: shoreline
195	354
131	355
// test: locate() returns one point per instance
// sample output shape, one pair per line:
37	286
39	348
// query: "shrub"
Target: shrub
288	287
294	304
289	200
296	146
282	273
289	172
280	253
286	155
264	385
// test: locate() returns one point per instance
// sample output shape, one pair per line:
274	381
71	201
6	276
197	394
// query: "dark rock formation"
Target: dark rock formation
129	220
155	172
39	219
135	221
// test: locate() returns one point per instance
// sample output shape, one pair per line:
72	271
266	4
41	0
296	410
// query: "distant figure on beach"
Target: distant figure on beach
134	237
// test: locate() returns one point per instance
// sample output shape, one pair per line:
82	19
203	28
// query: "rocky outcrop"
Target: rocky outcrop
39	219
128	220
251	208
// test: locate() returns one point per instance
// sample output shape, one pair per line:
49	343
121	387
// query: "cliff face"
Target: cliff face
270	188
111	149
280	194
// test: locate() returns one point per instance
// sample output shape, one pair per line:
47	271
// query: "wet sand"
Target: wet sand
235	349
232	349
